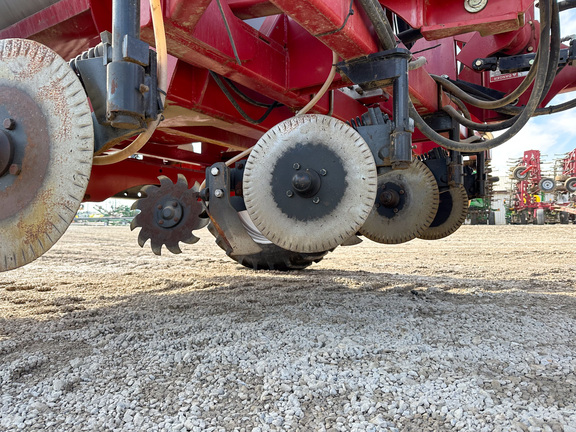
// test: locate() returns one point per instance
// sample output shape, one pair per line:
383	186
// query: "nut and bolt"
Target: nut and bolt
174	203
9	123
159	206
218	193
401	192
289	193
296	166
479	62
15	169
176	219
160	222
531	62
474	6
316	200
530	49
144	88
214	171
395	210
323	172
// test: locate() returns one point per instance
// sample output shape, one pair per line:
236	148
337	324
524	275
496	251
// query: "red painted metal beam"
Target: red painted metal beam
108	180
246	9
438	19
324	19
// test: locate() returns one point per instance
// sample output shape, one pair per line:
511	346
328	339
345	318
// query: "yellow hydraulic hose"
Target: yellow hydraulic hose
162	55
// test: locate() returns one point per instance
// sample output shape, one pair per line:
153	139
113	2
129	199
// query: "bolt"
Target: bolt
218	193
530	49
174	203
315	200
474	6
144	88
9	123
296	166
401	192
160	222
159	207
176	219
531	62
15	169
214	171
323	172
289	193
395	210
479	62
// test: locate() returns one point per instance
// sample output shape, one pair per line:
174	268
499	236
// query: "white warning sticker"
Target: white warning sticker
496	75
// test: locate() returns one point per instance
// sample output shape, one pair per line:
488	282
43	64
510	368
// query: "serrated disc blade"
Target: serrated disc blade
174	248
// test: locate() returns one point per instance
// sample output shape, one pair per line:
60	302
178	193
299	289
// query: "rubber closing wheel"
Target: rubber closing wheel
451	214
570	184
47	119
272	257
406	204
310	183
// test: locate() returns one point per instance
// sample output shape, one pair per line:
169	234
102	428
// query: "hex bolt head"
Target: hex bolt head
176	219
160	222
144	88
296	166
289	193
174	203
395	210
478	62
316	200
218	193
159	206
15	169
531	62
401	192
530	49
9	123
323	172
214	171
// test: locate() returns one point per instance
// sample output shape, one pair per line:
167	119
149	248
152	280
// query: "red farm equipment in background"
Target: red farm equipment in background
287	127
537	199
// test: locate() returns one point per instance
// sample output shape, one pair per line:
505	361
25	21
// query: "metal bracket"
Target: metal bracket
381	70
223	215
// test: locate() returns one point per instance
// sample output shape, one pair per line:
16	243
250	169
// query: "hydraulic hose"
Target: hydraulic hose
162	55
550	75
539	86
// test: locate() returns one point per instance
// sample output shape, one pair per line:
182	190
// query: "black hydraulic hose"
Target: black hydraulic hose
245	97
566	4
522	119
539	85
480	127
237	106
380	22
550	75
525	84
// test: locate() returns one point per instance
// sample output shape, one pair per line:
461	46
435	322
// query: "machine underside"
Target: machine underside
289	128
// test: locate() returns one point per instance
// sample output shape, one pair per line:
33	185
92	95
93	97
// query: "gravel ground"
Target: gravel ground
474	332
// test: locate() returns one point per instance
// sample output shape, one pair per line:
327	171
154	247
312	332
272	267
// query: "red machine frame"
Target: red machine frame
283	58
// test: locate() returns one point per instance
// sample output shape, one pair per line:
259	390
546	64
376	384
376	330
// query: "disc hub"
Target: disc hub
168	212
306	183
391	199
6	153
